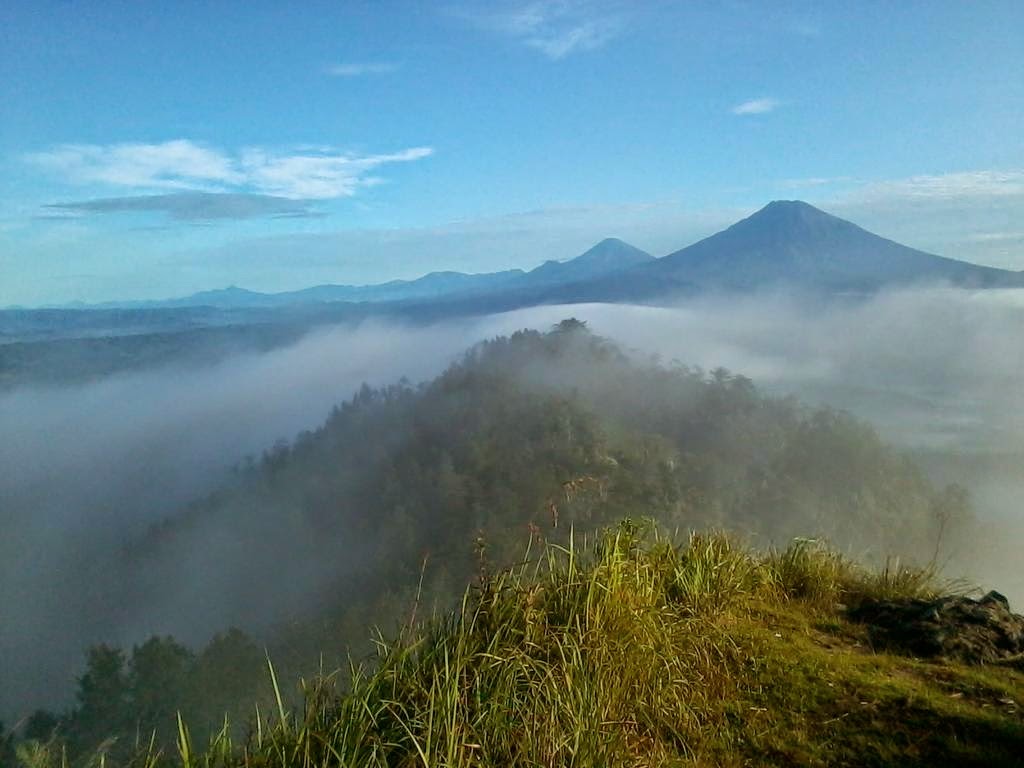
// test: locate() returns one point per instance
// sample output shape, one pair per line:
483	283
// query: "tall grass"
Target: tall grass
809	570
608	651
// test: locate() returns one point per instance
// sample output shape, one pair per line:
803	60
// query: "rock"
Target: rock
982	631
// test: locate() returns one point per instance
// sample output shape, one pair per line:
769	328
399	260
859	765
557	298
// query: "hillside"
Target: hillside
521	429
633	649
626	652
390	500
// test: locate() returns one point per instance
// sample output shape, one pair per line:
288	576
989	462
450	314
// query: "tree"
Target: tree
102	710
157	682
227	676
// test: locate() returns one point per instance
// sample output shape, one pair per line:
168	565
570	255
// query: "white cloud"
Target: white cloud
556	28
178	164
756	106
997	237
815	181
310	173
362	68
321	173
986	183
318	176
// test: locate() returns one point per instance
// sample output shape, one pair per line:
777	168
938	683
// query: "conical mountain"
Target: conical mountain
788	243
792	242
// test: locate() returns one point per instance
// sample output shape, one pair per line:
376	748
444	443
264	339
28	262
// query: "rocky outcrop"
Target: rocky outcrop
973	631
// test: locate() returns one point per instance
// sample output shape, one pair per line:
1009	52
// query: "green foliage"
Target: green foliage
547	433
808	570
157	681
103	699
627	649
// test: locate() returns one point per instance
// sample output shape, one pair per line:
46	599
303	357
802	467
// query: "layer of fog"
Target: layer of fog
87	469
931	368
938	372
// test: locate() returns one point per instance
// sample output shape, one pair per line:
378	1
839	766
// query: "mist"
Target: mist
89	469
931	368
936	370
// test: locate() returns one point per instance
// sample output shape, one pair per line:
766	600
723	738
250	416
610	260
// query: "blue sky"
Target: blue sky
155	149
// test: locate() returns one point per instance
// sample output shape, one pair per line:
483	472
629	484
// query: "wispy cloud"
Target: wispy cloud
815	181
556	28
985	183
320	173
756	106
194	206
997	237
179	164
357	69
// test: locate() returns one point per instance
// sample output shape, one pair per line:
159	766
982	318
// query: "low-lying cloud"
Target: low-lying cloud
87	469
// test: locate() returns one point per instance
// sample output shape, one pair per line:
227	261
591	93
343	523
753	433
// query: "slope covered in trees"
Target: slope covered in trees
407	492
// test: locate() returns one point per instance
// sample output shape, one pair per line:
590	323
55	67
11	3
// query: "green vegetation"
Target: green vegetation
617	650
629	649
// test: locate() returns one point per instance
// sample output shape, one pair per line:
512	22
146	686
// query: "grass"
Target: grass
631	650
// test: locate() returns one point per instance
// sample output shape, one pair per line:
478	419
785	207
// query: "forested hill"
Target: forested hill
410	490
559	427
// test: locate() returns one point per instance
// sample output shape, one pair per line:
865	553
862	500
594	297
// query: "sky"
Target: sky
150	150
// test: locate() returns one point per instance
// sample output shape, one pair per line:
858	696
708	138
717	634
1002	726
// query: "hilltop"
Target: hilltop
635	649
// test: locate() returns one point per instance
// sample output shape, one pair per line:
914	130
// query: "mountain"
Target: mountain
786	243
609	256
232	296
789	241
429	286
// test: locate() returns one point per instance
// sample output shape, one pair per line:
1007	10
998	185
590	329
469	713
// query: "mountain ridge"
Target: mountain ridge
785	243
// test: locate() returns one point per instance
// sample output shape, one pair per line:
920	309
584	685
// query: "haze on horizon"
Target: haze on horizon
357	144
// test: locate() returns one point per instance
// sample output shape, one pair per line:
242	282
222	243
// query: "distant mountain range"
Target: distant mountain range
608	256
786	243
